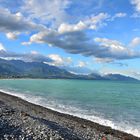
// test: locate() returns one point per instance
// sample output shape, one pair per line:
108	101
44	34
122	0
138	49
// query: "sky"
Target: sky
80	36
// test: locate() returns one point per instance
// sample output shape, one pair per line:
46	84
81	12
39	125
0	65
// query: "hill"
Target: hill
21	69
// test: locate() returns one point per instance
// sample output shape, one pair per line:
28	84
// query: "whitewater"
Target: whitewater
110	103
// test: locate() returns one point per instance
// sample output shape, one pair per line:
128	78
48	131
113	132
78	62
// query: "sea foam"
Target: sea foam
71	110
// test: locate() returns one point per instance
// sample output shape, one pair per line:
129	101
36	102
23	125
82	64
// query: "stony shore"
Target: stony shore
21	120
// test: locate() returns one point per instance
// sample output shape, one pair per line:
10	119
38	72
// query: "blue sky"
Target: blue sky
81	36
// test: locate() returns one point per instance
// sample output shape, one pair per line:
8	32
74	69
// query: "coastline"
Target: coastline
62	126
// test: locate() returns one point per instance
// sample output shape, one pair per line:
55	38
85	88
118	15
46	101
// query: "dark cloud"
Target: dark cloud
16	22
73	40
78	42
29	57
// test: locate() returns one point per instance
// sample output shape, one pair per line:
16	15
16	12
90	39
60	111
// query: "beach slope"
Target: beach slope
20	120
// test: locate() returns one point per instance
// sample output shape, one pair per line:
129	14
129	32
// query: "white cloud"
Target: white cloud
118	15
25	43
28	57
2	47
81	64
70	37
12	35
15	22
116	49
136	3
135	42
94	22
58	60
97	21
34	52
114	45
79	43
47	11
64	28
135	74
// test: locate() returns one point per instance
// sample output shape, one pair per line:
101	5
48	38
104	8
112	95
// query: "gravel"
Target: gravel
21	120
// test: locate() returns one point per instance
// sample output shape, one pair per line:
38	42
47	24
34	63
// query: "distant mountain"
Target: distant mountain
115	77
118	77
18	68
21	69
95	76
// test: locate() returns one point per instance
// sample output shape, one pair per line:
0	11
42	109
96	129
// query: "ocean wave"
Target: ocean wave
71	110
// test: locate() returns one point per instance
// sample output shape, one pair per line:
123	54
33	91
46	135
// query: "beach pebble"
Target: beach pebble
22	123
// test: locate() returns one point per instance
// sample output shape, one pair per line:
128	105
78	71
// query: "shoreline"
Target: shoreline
137	80
67	112
77	128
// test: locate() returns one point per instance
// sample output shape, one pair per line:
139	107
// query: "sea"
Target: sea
110	103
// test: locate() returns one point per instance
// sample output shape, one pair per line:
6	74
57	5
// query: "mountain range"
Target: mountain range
21	69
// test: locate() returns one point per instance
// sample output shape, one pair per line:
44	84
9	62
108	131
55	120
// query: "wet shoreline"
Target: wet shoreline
37	122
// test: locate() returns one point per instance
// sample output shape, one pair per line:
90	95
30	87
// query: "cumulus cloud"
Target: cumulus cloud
114	45
59	60
2	47
81	64
135	42
79	43
15	22
51	59
136	74
79	67
67	63
117	50
93	22
12	35
47	11
136	3
70	37
64	28
96	21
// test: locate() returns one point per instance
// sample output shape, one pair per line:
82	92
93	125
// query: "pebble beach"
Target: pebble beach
22	120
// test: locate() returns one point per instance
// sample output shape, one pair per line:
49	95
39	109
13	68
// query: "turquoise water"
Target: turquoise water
111	103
